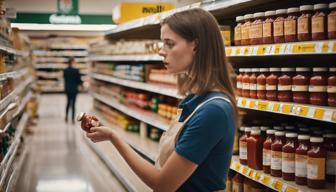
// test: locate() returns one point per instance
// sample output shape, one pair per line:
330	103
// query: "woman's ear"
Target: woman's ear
195	44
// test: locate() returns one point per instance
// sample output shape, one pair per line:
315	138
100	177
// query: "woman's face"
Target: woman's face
177	52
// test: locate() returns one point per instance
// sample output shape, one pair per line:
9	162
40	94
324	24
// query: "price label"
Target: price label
262	105
325	47
282	49
237	166
251	174
245	171
334	47
276	107
319	113
277	185
244	102
291	189
252	104
246	51
288	49
257	176
276	49
302	110
261	50
228	51
237	51
304	48
333	116
266	180
287	108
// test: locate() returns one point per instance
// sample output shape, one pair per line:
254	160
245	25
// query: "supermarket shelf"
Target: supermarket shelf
60	53
56	66
58	60
298	48
23	104
274	183
321	113
142	115
68	47
168	91
149	57
14	74
17	169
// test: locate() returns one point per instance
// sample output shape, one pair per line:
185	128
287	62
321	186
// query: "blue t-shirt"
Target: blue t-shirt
207	140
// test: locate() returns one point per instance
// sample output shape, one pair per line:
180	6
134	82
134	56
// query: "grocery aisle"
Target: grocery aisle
58	158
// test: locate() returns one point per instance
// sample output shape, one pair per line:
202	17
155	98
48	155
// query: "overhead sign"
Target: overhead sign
67	13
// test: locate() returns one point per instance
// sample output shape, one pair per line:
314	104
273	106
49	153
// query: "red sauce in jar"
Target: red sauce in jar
300	85
330	145
271	84
239	81
288	157
332	87
285	85
278	26
261	83
255	150
316	164
304	23
256	36
238	30
318	86
267	151
253	83
245	38
319	22
332	21
276	153
246	83
243	146
290	24
301	159
268	27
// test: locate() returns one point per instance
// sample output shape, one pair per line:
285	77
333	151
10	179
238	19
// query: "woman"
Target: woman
195	152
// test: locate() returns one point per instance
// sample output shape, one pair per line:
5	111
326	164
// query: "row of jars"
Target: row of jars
304	23
294	156
304	85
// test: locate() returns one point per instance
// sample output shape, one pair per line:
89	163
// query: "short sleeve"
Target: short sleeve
204	130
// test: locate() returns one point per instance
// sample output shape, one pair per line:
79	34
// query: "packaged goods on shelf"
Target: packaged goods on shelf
226	34
161	76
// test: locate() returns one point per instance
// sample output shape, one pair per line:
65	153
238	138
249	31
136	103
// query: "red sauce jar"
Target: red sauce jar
301	159
288	157
268	27
271	84
276	153
88	121
239	80
261	83
238	30
304	23
255	150
243	146
332	87
246	83
256	36
253	83
316	164
300	85
332	21
290	24
245	38
267	151
319	22
285	85
330	145
318	86
278	26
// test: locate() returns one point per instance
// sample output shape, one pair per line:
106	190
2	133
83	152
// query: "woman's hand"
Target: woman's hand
97	134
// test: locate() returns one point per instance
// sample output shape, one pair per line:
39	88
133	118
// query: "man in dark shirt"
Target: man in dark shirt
72	80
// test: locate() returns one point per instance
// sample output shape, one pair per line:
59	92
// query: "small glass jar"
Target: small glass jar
300	85
276	154
288	157
332	87
268	27
245	38
243	146
253	83
317	156
255	150
332	21
285	85
87	121
319	22
246	83
261	83
290	25
271	84
304	23
267	151
239	81
256	36
238	30
330	145
278	26
301	160
318	86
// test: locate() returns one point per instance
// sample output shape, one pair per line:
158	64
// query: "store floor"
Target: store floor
58	159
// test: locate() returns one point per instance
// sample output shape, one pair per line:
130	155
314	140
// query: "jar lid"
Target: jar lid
303	137
80	116
248	16
329	135
248	70
304	129
320	6
306	8
332	69
291	135
320	69
289	127
281	11
255	70
332	5
264	128
264	69
258	15
274	69
293	10
316	139
279	133
302	69
287	69
242	128
241	70
255	128
278	128
270	131
269	13
239	18
247	129
255	132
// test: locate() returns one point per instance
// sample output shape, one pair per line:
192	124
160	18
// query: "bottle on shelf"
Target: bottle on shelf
278	26
255	150
239	81
316	164
290	24
267	151
238	30
318	86
332	87
301	160
288	157
256	36
243	146
268	27
285	85
319	22
245	38
253	83
246	83
261	83
276	153
300	85
330	145
304	23
271	84
332	21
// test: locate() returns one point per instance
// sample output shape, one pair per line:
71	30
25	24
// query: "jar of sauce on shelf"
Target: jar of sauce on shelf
285	84
268	27
319	22
253	83
330	145
245	38
316	164
256	36
239	80
332	21
271	84
238	30
304	23
246	83
243	146
301	160
255	150
332	87
300	85
288	157
290	24
276	153
267	151
261	83
318	86
278	26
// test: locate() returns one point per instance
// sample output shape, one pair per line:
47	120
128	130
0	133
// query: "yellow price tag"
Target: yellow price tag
252	104
291	189
246	51
228	51
319	113
325	47
333	116
257	176
304	48
334	48
277	185
237	51
266	180
244	102
277	49
263	105
245	170
302	110
276	107
251	173
287	108
261	50
237	167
